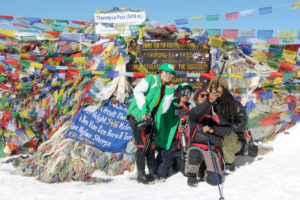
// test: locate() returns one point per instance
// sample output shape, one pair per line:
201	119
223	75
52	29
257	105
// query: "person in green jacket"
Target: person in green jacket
151	96
168	139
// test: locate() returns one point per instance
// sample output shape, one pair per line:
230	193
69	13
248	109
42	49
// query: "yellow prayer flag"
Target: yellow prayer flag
215	41
10	33
2	46
289	54
71	29
287	35
290	61
236	75
141	32
106	80
295	5
259	55
56	83
277	80
128	39
298	74
121	60
29	132
98	72
79	60
55	96
36	65
44	103
24	114
120	28
198	31
199	17
49	120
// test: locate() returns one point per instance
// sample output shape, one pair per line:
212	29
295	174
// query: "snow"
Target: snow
269	177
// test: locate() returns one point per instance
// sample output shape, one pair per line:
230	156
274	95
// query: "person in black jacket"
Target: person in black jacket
205	125
234	113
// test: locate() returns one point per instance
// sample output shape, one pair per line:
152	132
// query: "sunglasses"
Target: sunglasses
186	92
203	95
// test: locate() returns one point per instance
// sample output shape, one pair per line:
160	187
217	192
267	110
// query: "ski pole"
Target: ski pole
215	170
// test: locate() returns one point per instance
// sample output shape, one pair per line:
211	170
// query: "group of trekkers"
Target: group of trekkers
171	134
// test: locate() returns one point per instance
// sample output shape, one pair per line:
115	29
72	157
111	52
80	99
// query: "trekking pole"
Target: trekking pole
215	170
225	59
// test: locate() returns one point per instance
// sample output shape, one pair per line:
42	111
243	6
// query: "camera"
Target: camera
148	122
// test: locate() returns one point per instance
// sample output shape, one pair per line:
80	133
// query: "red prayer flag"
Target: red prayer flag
231	16
292	47
21	25
274	40
6	17
78	22
97	49
230	33
54	33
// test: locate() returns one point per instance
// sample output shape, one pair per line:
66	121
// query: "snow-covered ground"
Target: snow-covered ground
270	177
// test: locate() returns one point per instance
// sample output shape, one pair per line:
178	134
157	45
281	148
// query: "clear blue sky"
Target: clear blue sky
282	18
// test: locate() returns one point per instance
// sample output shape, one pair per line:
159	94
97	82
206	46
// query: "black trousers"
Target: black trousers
168	158
142	156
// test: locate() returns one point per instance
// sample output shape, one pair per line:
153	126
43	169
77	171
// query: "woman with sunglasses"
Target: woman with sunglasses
205	125
167	141
151	95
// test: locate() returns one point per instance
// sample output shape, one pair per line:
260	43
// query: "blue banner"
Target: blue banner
106	128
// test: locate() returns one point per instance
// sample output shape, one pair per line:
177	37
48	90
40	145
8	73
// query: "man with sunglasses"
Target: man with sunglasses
168	138
151	95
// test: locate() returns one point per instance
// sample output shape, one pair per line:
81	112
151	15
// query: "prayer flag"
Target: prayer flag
230	33
273	40
287	35
199	17
265	10
295	5
245	13
231	16
247	33
212	17
78	22
181	21
213	32
120	28
264	34
62	21
6	17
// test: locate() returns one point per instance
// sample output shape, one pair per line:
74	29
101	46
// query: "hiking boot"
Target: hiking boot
142	178
153	175
192	180
231	167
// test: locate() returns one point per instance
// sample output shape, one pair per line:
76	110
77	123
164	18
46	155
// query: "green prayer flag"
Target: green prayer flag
273	64
213	32
49	21
29	38
58	28
62	21
24	63
84	72
253	123
291	74
134	28
68	58
212	17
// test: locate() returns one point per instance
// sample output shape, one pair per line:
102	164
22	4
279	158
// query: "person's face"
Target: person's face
202	97
185	94
219	90
166	77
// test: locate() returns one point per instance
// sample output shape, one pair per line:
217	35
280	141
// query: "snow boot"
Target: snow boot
192	180
153	175
142	177
230	166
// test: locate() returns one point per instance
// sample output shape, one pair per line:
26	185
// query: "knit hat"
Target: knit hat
196	94
168	68
222	82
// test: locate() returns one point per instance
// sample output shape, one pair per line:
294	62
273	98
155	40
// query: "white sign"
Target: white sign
106	22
